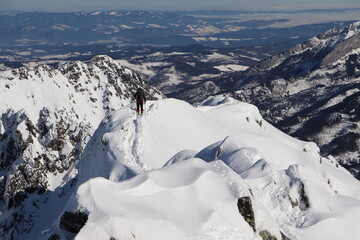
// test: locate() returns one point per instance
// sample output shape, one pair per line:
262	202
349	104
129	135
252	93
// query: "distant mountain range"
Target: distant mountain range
149	28
174	50
69	135
311	91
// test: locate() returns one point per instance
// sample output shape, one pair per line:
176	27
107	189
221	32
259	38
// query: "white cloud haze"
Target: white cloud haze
76	5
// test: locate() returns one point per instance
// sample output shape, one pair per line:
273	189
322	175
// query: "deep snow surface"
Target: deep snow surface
213	155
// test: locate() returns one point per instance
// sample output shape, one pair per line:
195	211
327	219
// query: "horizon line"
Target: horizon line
249	9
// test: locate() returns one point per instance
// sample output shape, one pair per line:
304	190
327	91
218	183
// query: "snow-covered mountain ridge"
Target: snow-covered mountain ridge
310	91
324	49
314	93
218	171
47	117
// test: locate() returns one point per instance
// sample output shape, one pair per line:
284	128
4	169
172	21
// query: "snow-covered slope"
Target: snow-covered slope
313	94
310	91
101	85
47	116
218	171
319	51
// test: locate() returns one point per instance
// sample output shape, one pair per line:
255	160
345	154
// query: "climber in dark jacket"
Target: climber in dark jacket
140	100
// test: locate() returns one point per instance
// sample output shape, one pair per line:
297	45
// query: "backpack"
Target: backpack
140	95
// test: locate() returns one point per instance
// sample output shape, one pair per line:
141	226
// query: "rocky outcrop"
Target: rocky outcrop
43	137
345	47
46	123
73	222
34	152
265	235
246	210
54	237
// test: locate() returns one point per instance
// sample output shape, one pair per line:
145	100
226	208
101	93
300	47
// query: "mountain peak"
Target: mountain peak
48	123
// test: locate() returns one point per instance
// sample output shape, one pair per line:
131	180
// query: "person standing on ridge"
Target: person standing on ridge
140	100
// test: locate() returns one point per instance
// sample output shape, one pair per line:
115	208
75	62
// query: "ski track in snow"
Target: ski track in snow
137	142
132	139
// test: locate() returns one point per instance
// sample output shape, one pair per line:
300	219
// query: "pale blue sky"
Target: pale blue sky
76	5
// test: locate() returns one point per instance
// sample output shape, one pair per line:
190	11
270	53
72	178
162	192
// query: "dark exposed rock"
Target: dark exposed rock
300	199
9	229
19	198
54	237
284	237
12	143
2	187
341	50
245	208
33	167
265	235
73	222
345	143
304	200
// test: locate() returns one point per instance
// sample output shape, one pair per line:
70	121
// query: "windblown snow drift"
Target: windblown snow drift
217	171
